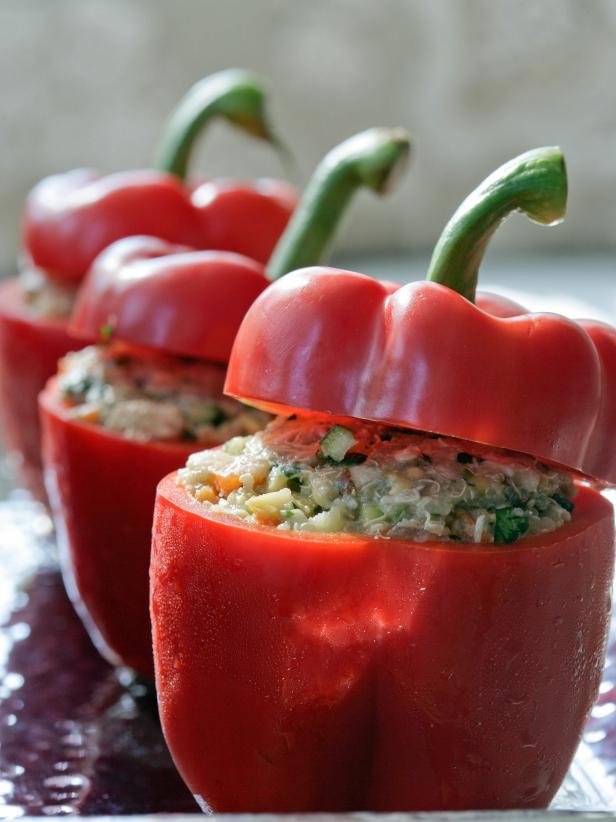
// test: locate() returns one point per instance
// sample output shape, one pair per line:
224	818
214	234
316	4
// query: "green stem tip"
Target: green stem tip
234	95
534	183
373	159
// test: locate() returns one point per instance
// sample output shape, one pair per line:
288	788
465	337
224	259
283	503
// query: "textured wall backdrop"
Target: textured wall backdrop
87	82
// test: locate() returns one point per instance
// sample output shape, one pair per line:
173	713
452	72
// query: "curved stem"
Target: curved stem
372	159
234	95
534	183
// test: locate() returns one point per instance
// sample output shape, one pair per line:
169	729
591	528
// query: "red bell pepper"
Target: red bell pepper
145	292
69	218
328	672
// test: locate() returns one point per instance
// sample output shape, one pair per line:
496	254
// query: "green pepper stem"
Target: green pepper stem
234	95
372	159
534	183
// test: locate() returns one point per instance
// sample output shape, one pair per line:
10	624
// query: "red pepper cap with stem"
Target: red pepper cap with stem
70	218
147	292
424	356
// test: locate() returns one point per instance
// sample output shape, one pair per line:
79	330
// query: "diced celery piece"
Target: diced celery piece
276	479
329	521
337	442
369	512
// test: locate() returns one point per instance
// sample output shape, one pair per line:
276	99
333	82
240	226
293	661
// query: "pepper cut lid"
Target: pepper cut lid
147	292
423	357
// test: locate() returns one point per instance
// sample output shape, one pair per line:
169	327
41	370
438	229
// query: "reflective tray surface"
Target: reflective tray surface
76	737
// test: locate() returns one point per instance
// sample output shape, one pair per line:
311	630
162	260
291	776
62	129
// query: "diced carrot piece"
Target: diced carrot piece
224	484
268	518
85	413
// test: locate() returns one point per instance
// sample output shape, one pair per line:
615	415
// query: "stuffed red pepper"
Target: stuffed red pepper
396	596
122	414
69	218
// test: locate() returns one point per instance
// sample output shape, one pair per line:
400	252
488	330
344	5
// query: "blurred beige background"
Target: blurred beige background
88	82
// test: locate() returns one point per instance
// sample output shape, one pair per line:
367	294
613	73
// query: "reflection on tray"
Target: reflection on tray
73	738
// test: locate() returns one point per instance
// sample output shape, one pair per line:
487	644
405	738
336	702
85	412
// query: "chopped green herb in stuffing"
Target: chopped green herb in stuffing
563	502
336	443
510	524
106	332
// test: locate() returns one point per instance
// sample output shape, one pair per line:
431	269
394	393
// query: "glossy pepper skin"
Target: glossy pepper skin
337	672
69	218
143	291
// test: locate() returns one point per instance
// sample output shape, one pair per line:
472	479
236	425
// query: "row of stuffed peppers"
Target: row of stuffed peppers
381	600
